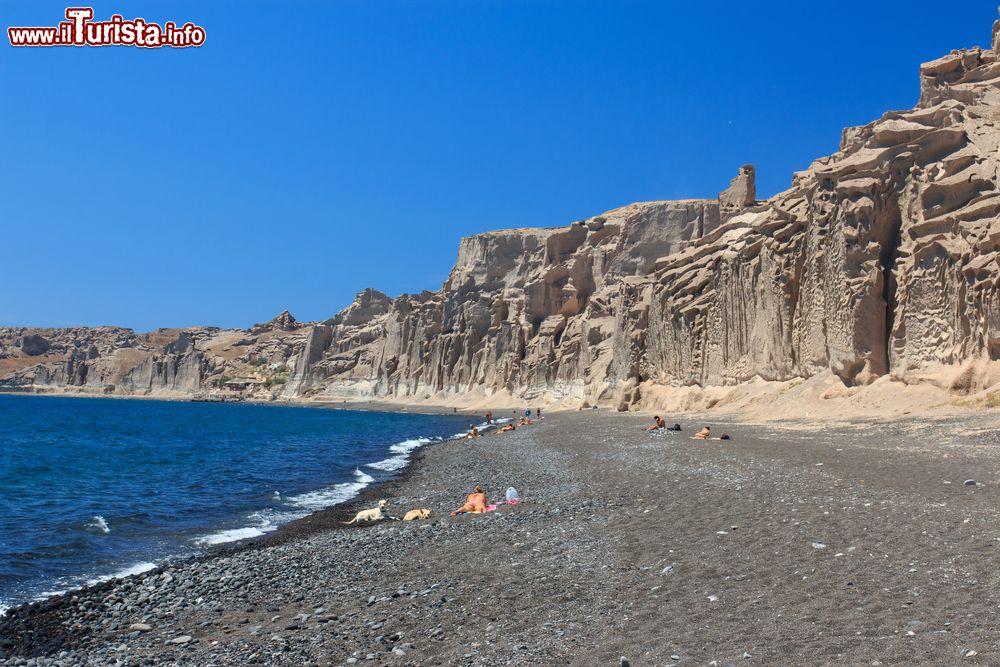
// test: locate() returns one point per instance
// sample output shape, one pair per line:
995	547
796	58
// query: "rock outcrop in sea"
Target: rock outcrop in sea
880	260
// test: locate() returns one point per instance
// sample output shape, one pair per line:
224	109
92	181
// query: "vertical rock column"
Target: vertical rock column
996	34
741	193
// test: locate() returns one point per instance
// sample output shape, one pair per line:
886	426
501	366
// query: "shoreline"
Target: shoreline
327	518
315	520
821	398
763	546
958	407
356	406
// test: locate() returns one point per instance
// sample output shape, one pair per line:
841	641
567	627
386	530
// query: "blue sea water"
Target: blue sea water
92	488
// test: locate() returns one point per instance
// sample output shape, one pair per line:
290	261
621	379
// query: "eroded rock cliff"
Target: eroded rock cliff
879	261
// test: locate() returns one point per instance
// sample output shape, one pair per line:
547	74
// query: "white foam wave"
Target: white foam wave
233	535
391	464
269	519
408	446
98	523
75	583
264	521
138	568
45	595
403	450
334	495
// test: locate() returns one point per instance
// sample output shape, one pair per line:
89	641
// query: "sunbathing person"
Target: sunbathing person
476	502
658	423
505	429
704	433
473	432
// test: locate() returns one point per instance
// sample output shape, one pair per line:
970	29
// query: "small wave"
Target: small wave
98	524
276	495
269	519
264	521
138	568
68	584
391	464
233	535
3	610
334	495
403	450
408	446
45	595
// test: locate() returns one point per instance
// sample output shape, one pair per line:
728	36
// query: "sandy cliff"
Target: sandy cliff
878	265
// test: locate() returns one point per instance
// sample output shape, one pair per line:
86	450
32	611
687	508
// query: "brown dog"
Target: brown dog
414	515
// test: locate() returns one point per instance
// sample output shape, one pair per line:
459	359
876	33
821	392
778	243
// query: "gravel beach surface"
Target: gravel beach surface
791	544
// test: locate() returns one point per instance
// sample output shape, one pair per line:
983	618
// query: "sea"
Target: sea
94	488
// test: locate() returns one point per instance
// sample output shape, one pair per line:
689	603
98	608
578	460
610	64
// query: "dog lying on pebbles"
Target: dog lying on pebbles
369	516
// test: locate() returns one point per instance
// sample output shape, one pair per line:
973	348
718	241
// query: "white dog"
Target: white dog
372	515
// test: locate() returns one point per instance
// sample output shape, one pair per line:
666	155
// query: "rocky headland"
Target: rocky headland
877	267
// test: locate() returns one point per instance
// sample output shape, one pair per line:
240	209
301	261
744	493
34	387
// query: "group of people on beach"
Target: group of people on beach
527	414
660	424
704	434
524	420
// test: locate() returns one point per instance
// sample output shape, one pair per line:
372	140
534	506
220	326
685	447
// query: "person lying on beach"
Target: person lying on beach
506	428
703	434
476	503
526	422
658	423
473	432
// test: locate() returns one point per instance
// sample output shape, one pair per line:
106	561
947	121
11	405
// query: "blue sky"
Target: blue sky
311	149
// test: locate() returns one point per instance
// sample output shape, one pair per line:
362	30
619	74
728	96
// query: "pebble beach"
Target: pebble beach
792	544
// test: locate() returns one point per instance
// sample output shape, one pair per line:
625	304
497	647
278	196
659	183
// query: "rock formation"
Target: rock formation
996	35
880	260
741	193
283	321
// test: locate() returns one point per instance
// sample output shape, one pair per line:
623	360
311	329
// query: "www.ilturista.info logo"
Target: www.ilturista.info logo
81	30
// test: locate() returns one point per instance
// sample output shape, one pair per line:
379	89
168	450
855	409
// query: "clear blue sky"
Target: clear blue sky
311	149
